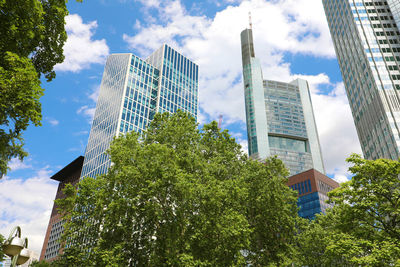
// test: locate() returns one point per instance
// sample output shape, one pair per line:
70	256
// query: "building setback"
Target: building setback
51	246
279	116
312	187
132	90
366	37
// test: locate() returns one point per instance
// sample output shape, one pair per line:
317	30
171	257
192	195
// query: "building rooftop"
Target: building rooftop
67	170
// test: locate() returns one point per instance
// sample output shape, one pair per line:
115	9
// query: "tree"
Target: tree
1	248
178	196
41	263
32	37
363	228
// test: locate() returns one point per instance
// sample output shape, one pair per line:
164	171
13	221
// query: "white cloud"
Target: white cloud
87	111
53	122
94	94
27	203
279	27
81	50
15	164
149	3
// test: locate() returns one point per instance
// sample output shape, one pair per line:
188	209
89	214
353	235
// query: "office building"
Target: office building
51	245
132	90
279	116
312	187
366	38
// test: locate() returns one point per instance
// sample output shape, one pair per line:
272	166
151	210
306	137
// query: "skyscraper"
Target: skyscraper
132	90
366	37
279	116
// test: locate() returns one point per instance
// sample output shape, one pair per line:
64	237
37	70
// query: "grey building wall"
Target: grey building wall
367	45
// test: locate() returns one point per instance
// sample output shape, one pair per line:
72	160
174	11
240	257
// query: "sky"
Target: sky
292	40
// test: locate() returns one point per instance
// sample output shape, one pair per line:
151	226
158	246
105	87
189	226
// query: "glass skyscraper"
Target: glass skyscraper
366	37
132	90
279	116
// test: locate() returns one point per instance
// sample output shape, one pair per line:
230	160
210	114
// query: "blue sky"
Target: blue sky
291	39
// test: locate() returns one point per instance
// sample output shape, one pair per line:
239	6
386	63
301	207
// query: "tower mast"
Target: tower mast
250	24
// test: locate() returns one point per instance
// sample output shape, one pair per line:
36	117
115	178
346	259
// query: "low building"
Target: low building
312	187
51	245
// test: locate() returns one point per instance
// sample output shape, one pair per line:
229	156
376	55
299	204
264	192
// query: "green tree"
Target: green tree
41	263
177	196
1	248
32	37
363	228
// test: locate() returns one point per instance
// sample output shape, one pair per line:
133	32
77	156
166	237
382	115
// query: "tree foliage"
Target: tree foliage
41	263
32	37
177	196
363	228
1	247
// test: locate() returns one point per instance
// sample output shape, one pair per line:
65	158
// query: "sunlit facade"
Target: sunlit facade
279	116
131	92
366	37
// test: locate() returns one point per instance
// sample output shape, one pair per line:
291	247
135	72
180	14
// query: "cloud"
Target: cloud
27	203
87	111
84	132
15	164
94	94
81	50
149	3
53	122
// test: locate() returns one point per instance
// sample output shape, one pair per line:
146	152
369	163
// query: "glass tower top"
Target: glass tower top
131	92
366	37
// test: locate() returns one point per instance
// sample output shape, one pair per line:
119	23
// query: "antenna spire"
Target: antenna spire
250	24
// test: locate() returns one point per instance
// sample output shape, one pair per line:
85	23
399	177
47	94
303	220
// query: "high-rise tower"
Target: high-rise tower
279	116
366	37
131	92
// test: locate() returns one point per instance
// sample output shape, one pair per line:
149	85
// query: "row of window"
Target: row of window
387	41
383	3
303	187
383	25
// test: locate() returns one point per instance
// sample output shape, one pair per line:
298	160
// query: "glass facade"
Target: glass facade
366	37
279	116
131	92
310	203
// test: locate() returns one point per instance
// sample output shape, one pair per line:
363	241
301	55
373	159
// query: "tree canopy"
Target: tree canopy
32	37
363	228
180	196
1	248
